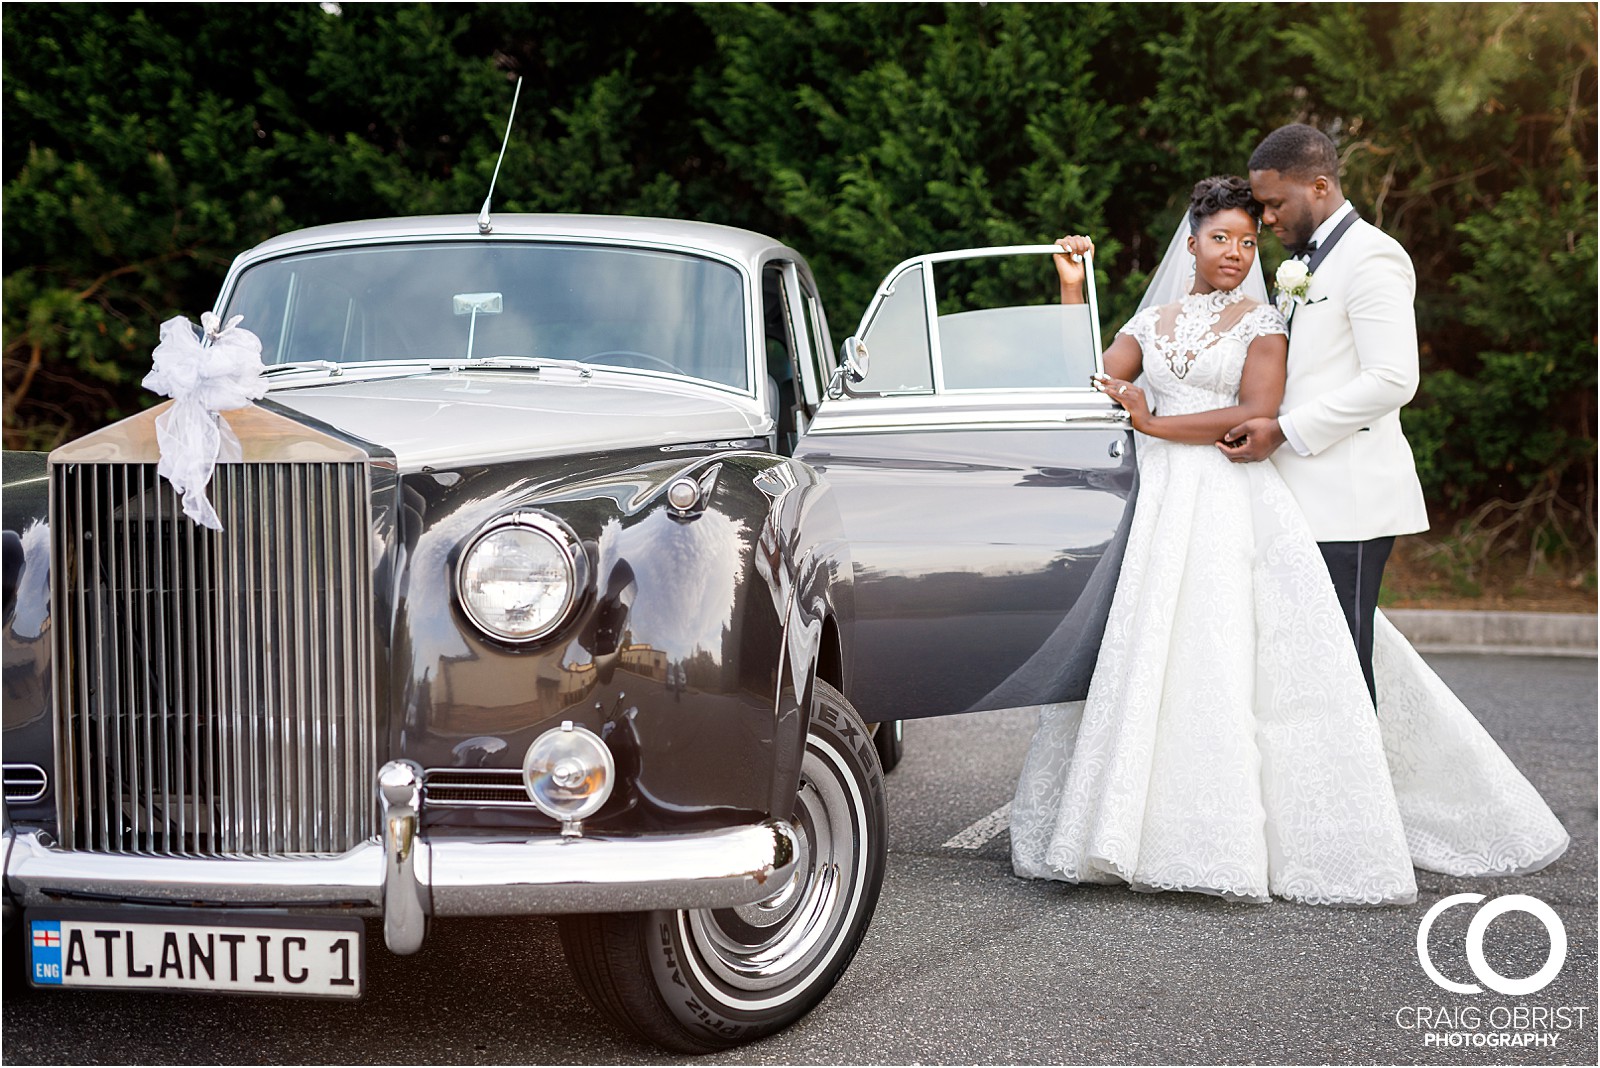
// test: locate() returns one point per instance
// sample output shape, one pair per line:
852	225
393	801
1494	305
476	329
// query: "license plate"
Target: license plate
297	956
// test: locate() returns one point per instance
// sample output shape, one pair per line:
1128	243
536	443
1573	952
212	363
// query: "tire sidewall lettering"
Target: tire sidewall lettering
679	993
850	736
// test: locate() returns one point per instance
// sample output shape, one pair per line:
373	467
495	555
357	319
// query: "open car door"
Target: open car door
986	488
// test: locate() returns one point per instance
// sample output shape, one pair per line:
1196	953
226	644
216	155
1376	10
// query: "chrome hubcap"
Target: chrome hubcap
786	937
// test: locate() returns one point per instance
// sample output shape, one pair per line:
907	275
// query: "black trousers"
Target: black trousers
1356	568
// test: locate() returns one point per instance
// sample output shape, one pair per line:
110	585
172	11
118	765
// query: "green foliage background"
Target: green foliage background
146	145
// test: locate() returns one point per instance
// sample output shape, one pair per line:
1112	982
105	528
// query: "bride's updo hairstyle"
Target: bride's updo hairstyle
1213	195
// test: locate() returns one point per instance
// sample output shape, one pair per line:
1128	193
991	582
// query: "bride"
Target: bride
1228	743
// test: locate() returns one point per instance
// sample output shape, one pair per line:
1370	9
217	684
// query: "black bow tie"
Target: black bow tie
1303	252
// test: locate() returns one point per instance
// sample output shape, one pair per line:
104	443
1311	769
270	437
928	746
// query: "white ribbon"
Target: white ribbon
203	378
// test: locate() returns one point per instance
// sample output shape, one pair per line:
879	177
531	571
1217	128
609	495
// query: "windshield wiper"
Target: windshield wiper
433	365
329	366
426	365
526	363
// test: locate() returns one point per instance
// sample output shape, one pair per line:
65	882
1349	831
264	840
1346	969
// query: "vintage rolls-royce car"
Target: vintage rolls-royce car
553	568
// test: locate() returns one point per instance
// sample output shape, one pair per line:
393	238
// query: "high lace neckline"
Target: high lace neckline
1214	301
1192	327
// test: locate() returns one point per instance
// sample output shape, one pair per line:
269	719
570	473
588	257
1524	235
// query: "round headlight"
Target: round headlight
568	772
519	578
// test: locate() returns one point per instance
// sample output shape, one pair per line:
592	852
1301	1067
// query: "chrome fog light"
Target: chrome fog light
569	773
520	577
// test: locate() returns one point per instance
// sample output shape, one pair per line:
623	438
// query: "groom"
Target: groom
1352	365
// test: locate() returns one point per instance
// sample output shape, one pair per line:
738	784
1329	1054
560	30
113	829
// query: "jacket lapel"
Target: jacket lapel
1333	239
1318	256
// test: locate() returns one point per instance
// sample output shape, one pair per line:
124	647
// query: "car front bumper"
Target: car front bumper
406	878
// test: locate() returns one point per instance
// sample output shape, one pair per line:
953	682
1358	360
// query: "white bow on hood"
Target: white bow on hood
203	377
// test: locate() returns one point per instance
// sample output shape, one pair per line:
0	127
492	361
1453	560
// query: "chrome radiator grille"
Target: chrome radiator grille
214	691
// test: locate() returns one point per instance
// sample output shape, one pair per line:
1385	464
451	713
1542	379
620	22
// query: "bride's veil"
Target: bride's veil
1174	276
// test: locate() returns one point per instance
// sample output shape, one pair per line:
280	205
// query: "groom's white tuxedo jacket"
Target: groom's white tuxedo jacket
1352	365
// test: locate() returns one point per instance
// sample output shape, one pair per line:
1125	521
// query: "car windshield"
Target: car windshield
601	305
999	325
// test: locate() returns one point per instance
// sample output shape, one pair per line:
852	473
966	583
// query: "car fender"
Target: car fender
678	655
804	560
28	704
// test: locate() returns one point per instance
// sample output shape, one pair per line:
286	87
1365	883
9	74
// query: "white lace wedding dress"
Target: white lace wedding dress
1228	744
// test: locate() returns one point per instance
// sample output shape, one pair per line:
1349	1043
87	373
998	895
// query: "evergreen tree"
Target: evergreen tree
146	145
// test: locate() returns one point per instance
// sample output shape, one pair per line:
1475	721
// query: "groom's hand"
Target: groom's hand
1252	440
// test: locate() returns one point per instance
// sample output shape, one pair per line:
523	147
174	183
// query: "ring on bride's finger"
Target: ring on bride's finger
1121	390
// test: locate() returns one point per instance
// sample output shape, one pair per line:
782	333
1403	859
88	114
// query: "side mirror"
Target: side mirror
853	363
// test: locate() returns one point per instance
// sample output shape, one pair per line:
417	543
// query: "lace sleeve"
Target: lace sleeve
1262	321
1142	328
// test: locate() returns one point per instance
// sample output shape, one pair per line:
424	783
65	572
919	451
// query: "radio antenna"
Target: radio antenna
484	225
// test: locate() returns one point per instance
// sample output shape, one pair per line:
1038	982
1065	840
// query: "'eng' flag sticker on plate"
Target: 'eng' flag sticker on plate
47	951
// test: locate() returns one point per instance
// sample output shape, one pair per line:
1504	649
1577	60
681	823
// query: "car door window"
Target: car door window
901	359
1002	326
1041	347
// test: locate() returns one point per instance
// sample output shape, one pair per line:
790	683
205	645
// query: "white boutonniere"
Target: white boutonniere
1293	282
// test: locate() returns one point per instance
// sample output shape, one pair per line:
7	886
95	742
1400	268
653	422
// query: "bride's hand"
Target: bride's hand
1126	394
1070	268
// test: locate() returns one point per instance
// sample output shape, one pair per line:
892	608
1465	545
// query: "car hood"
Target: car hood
446	419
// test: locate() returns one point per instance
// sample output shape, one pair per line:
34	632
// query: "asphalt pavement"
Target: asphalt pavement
965	963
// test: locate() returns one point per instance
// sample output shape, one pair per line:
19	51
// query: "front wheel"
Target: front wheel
704	980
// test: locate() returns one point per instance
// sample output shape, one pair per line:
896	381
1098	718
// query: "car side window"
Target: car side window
778	337
897	340
1001	326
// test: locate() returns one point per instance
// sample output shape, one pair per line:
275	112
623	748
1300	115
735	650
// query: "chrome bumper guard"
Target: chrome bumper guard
408	878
